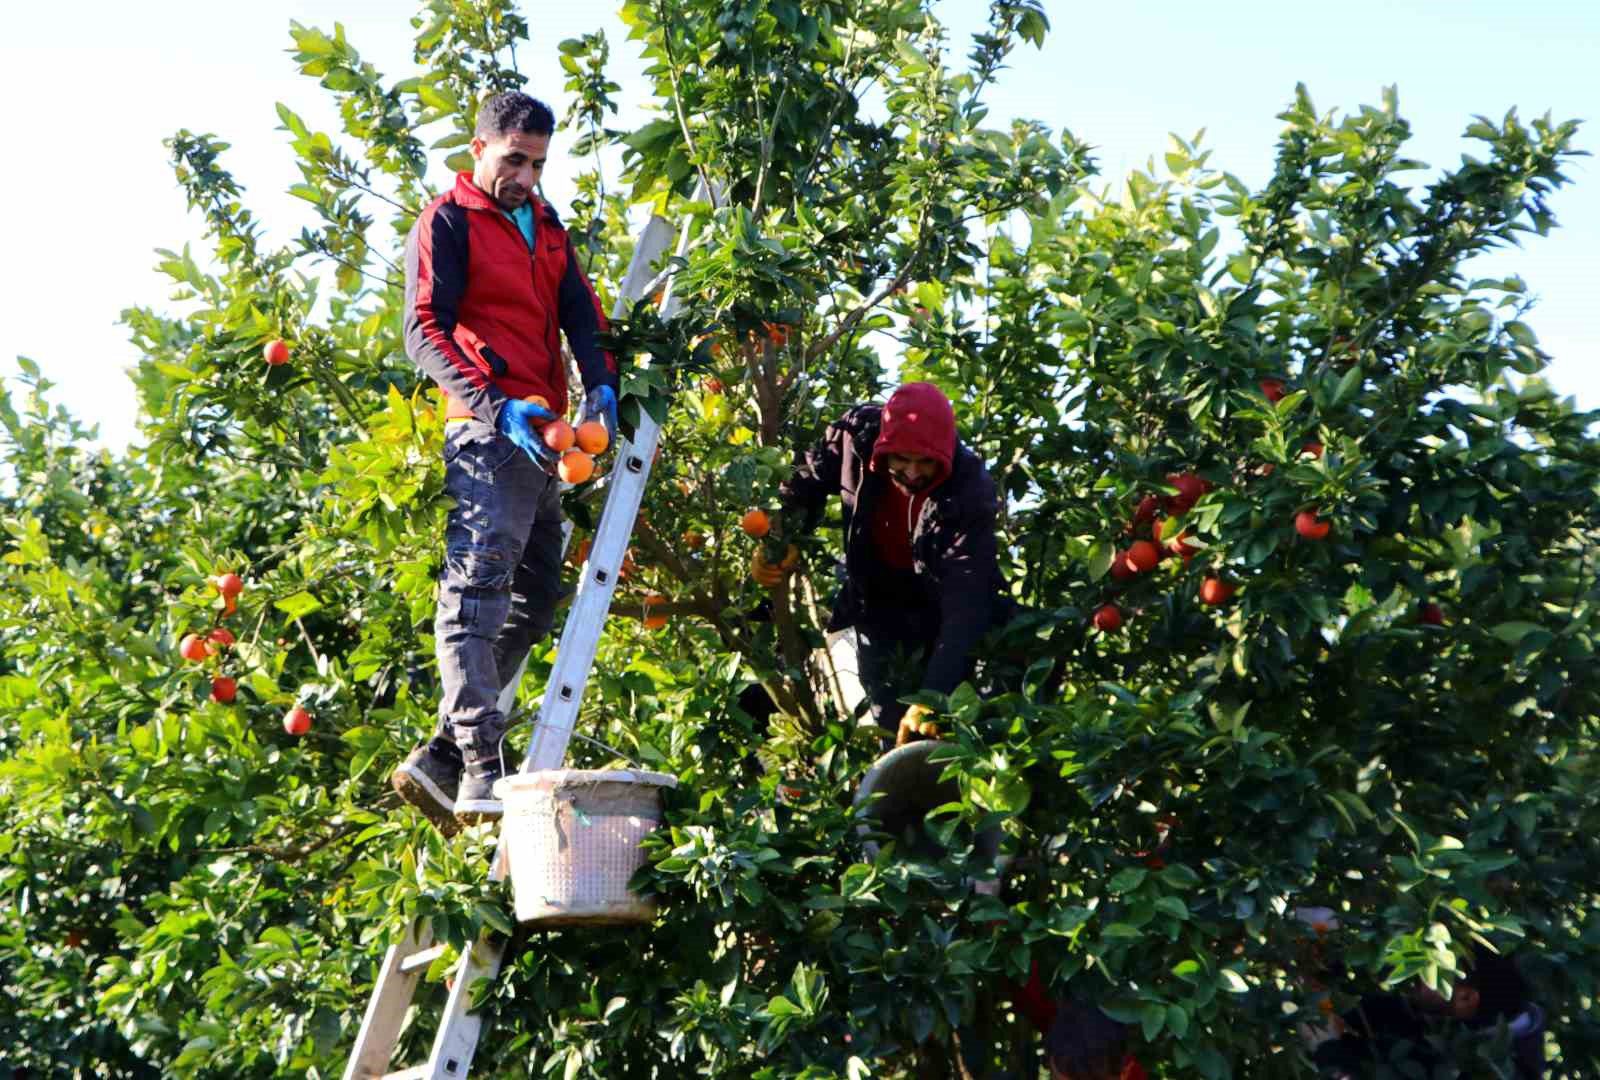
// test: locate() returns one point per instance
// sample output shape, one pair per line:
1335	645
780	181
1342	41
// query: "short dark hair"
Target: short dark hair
1083	1041
513	111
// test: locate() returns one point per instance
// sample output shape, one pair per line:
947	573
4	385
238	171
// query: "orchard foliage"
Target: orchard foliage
1397	720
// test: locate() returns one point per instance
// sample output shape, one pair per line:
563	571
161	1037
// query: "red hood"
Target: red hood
919	420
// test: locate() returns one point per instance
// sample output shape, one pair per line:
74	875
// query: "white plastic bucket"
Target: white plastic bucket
572	840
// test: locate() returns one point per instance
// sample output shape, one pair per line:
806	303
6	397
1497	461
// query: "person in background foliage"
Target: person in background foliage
921	579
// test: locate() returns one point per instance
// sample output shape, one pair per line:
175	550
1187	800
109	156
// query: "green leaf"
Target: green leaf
1128	880
1099	559
299	605
1173	906
1513	632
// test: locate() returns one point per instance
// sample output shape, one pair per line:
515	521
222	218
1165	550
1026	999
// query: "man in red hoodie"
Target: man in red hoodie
492	286
921	579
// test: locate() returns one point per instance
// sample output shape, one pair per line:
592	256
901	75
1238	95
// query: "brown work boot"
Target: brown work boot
429	779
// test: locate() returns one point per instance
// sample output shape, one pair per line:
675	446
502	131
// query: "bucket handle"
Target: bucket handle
520	718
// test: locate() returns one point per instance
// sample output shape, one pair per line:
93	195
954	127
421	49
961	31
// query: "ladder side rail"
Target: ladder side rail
459	1028
580	638
653	240
386	1010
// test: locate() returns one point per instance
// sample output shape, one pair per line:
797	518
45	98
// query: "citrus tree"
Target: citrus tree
1302	539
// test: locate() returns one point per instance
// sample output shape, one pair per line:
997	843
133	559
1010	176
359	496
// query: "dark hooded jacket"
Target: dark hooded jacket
952	525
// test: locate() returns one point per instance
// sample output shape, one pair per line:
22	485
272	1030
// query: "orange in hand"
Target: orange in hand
558	436
593	438
575	467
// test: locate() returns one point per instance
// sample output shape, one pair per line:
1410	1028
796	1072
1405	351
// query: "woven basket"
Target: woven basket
572	841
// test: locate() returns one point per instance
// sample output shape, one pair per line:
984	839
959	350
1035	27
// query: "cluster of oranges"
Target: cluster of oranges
576	445
198	648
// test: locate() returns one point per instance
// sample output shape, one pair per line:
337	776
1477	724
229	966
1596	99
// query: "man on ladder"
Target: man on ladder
492	281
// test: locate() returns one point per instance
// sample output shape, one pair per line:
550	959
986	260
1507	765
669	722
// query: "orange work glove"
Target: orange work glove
769	575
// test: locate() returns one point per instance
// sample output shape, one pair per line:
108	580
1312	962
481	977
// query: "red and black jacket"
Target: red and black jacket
484	315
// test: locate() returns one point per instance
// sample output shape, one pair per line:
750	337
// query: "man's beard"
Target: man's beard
910	486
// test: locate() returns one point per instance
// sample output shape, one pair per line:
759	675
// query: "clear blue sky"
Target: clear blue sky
93	88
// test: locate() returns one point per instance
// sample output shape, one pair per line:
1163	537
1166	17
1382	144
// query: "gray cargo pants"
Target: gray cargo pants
501	579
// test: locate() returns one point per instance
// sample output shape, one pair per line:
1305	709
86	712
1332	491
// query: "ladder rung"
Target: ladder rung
420	959
416	1072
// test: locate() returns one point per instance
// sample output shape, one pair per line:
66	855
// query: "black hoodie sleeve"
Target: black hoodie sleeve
817	473
583	321
965	577
436	278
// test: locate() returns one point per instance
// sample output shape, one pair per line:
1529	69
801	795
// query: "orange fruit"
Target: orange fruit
593	438
756	523
229	584
1107	618
1214	591
693	539
275	352
653	621
575	467
558	435
1143	555
193	647
1309	526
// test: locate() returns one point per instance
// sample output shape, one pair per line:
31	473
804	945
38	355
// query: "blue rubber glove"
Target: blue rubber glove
601	404
516	423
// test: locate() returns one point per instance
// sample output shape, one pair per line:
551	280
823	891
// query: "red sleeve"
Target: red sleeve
1132	1070
1033	1002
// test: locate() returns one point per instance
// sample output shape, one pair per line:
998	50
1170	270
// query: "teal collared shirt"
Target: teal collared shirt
522	217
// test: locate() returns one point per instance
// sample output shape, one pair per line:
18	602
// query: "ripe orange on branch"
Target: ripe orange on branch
755	523
193	647
653	621
1107	618
1143	556
275	352
1309	526
297	721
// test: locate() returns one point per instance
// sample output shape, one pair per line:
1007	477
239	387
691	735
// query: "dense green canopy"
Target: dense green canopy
186	889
